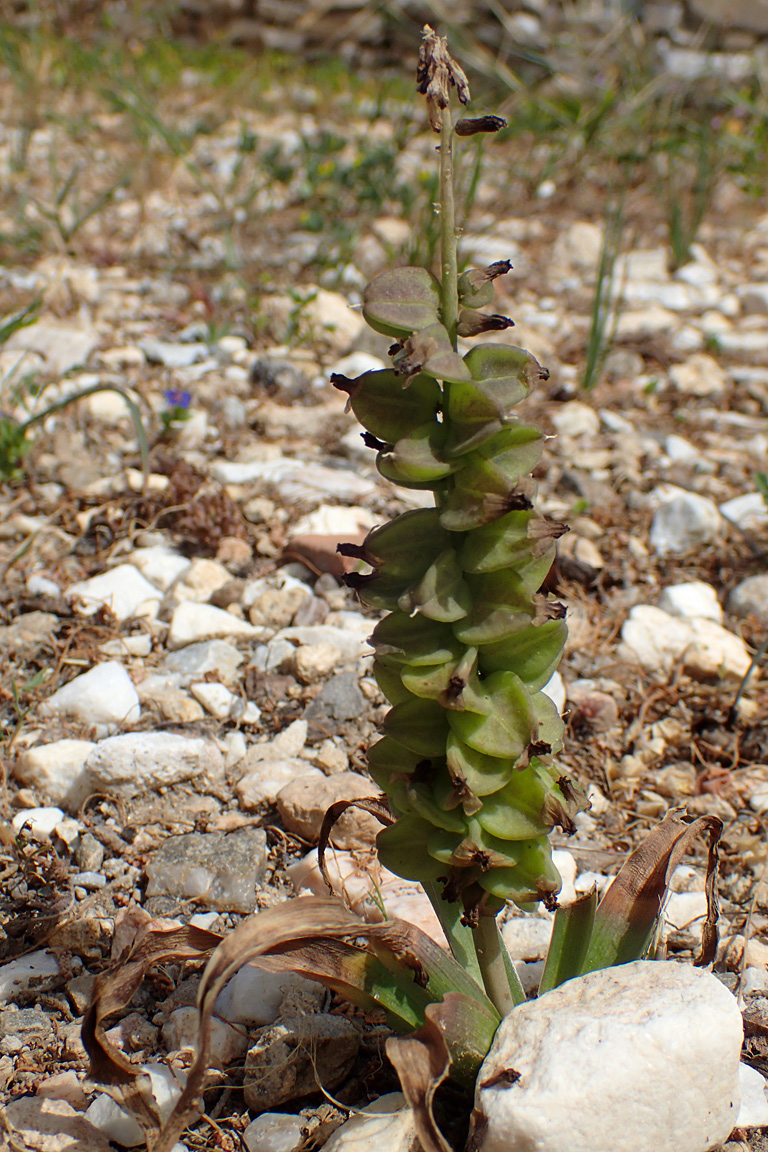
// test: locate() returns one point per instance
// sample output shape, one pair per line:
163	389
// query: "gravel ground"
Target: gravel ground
186	686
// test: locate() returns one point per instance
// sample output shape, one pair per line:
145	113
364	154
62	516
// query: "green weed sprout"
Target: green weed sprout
467	756
15	441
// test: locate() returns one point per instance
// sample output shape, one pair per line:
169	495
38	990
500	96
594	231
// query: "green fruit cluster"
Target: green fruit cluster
467	754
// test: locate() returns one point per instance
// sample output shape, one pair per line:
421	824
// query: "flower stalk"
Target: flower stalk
471	639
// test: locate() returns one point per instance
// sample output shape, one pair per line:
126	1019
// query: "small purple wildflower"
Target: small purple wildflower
177	399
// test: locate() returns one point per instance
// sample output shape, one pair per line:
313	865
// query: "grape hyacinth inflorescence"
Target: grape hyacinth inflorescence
467	758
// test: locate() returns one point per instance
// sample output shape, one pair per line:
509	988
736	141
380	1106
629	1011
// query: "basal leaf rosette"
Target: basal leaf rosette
467	755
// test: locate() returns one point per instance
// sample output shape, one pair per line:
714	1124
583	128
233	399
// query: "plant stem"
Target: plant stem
448	255
501	981
460	938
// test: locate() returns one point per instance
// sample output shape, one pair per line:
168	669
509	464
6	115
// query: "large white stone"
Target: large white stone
389	1127
694	598
641	1058
123	590
104	695
159	564
748	511
254	995
29	971
54	768
141	761
684	522
191	622
660	642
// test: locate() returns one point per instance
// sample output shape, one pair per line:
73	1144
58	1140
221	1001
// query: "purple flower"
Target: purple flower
177	399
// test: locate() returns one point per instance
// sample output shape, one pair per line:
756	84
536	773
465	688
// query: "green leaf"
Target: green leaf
401	301
569	943
761	483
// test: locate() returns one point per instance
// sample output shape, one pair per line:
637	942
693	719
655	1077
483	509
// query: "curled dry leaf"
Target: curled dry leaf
627	913
377	806
392	965
154	941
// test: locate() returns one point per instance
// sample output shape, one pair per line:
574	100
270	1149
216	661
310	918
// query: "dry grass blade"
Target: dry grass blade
626	915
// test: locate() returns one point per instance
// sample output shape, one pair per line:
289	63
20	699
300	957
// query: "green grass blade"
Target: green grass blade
130	404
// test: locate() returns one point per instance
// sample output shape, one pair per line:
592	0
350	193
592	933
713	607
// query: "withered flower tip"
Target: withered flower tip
471	127
436	73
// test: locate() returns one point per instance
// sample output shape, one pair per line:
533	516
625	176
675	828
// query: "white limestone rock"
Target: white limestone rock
39	823
194	622
659	642
276	1132
35	970
104	695
684	522
255	995
302	804
391	1127
266	779
123	590
751	595
692	599
159	564
604	1064
54	769
700	375
208	656
227	1043
141	761
576	419
748	511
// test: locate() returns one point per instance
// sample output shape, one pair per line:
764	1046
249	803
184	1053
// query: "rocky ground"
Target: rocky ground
186	682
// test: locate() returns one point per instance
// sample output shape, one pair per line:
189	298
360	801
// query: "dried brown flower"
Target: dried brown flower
436	74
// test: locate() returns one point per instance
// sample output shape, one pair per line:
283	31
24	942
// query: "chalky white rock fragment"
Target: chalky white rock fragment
191	622
641	1058
34	970
37	822
123	590
53	769
166	1086
139	761
692	599
660	642
389	1125
684	522
104	695
275	1132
